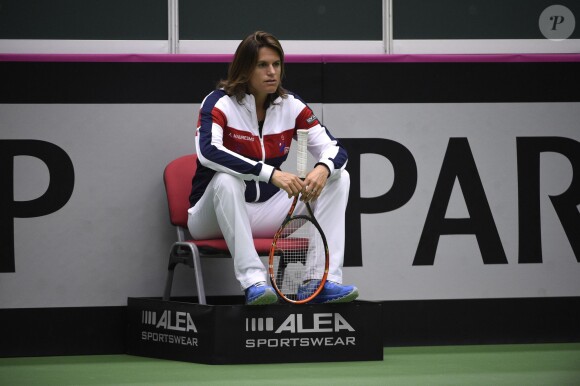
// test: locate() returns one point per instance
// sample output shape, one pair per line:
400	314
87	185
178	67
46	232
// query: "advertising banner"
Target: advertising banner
226	334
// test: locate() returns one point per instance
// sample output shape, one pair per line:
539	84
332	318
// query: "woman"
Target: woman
245	129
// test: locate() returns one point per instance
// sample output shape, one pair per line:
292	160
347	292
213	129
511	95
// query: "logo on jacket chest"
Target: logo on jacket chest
282	148
241	137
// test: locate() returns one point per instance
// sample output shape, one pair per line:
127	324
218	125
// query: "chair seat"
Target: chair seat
220	246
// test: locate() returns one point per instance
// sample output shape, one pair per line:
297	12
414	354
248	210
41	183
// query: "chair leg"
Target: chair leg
169	282
198	277
185	253
174	259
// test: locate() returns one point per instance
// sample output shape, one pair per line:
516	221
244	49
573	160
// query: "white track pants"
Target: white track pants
223	212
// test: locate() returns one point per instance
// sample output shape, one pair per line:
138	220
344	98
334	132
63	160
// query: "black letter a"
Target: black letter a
459	163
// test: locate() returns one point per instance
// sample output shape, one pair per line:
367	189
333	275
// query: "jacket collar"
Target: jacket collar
250	102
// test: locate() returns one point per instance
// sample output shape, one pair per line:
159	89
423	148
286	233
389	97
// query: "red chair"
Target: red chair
177	178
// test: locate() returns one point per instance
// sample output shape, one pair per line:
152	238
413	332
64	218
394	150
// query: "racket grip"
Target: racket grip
302	153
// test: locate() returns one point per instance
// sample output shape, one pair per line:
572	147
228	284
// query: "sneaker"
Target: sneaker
260	293
331	293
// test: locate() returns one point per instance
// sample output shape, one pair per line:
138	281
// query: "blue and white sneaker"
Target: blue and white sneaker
331	293
260	293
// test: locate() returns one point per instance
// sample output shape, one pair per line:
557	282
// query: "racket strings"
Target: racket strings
299	254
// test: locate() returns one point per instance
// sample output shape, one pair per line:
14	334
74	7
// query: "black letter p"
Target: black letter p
57	194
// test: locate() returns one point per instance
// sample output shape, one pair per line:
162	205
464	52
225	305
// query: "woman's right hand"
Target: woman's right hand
290	183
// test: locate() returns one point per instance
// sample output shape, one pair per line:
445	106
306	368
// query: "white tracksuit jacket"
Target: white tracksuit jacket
228	140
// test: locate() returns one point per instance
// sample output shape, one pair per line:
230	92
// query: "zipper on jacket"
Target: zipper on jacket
262	149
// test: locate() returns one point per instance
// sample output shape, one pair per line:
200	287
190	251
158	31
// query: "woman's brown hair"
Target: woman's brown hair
244	62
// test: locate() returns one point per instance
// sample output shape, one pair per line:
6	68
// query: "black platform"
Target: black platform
235	334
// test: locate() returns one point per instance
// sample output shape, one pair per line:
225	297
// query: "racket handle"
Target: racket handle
302	154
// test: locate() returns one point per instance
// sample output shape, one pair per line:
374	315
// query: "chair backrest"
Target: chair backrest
177	178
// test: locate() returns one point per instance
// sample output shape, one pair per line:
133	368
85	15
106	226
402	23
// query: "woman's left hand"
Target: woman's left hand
314	182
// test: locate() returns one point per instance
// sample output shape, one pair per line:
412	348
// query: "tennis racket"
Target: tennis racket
299	258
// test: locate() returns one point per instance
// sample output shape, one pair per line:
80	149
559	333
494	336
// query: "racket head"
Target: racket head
299	255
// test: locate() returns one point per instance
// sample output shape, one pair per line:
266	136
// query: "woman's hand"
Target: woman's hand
314	182
288	182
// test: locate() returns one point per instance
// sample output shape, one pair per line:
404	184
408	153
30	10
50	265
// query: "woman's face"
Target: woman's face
266	75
